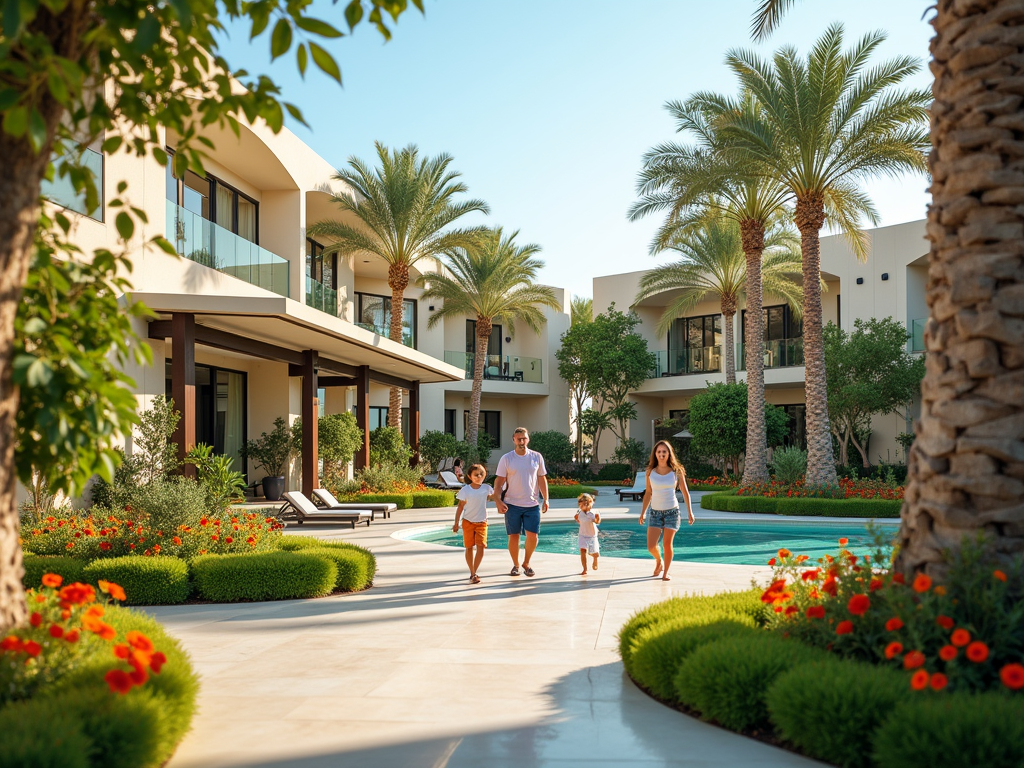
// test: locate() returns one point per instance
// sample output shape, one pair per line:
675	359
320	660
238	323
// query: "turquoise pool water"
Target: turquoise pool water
708	541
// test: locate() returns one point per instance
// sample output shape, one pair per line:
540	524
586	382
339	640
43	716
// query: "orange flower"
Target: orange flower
938	681
844	541
977	652
844	627
118	681
1012	676
139	641
939	590
922	582
176	540
11	643
784	553
52	580
945	622
113	590
802	559
948	652
776	593
893	649
77	594
920	680
996	574
816	612
122	651
960	637
859	605
251	541
913	660
810	575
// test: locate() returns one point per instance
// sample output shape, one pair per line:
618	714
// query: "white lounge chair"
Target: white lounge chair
327	503
638	489
297	507
447	481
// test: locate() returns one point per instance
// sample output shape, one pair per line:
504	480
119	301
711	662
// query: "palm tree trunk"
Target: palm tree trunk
755	468
821	467
483	336
729	317
966	470
398	281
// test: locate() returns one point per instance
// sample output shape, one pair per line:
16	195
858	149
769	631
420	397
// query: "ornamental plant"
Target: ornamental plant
846	488
66	627
966	634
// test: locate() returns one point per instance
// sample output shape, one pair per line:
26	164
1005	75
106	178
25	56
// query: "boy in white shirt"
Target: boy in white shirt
588	521
472	508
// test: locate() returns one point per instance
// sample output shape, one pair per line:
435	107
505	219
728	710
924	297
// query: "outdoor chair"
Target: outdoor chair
447	481
638	489
297	507
326	502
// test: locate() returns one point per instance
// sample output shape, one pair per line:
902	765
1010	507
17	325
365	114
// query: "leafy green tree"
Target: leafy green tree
271	451
401	213
554	446
388	447
633	452
572	367
491	280
869	372
154	456
718	423
592	422
436	446
338	438
819	125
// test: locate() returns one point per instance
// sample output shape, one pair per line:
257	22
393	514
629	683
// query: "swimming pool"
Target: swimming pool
740	542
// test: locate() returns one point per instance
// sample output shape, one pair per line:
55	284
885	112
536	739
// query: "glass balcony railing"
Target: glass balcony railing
498	368
385	331
322	297
209	244
778	353
680	362
917	334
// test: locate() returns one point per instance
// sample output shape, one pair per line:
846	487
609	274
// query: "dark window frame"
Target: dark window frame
214	181
449	421
313	258
415	311
482	424
788	323
716	320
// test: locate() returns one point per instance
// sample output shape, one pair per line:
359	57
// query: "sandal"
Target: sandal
474	579
528	570
514	571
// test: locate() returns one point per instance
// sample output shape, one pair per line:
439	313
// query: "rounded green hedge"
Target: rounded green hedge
432	499
403	500
70	568
570	491
831	709
276	575
728	501
311	543
146	580
95	728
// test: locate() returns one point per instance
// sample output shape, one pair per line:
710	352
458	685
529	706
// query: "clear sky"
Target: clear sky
547	106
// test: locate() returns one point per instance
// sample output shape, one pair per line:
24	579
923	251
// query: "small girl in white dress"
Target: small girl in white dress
588	521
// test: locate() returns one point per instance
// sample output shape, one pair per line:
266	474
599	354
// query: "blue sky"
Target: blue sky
548	105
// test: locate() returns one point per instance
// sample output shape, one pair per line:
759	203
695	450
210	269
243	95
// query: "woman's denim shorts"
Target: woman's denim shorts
664	518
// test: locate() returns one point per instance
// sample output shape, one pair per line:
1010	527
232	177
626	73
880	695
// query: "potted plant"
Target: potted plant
270	452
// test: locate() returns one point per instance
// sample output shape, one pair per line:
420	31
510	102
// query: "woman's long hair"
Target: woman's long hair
673	462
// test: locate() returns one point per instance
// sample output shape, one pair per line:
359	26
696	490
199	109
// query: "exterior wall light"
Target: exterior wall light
860	281
885	275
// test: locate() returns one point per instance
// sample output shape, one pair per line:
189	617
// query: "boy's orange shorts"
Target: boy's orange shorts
474	534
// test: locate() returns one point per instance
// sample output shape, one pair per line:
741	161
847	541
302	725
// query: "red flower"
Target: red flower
156	662
772	561
204	522
36	619
776	593
960	637
77	594
843	542
810	575
11	643
893	649
945	622
52	580
920	680
105	545
122	651
72	636
816	612
784	553
830	586
56	631
898	578
922	582
251	541
875	585
139	641
948	652
32	648
228	539
791	610
214	537
913	660
938	681
859	605
118	681
997	574
1012	676
977	651
844	627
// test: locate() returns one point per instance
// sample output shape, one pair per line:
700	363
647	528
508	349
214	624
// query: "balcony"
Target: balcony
385	331
322	297
778	353
209	244
680	362
917	334
509	368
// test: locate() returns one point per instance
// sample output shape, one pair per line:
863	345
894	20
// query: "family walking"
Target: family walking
520	494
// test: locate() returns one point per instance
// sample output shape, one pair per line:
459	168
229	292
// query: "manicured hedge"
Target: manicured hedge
570	491
432	499
78	723
145	580
729	502
305	543
263	576
71	568
831	709
403	500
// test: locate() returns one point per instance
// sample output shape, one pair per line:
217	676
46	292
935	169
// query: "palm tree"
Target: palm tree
713	264
818	127
682	179
767	17
404	208
492	279
581	310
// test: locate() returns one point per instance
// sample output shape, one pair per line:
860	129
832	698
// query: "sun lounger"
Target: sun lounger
327	503
447	481
297	507
638	489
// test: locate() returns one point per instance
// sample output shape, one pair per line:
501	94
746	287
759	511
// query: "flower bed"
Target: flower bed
846	489
91	684
731	501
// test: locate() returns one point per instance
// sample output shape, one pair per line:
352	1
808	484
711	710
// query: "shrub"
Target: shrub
263	576
554	446
338	437
810	507
389	478
302	543
70	568
403	500
831	709
353	569
436	446
728	680
953	731
39	734
789	464
217	475
168	503
633	452
145	580
387	446
270	452
432	499
569	491
614	471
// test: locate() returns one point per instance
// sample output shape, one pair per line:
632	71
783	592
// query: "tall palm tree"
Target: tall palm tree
682	179
767	17
493	279
713	264
404	209
581	310
818	126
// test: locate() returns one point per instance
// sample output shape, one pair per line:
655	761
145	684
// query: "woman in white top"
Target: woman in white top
664	475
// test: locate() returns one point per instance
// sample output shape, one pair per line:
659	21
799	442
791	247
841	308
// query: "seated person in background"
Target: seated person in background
457	470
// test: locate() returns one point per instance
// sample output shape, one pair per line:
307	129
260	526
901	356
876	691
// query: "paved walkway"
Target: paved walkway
427	671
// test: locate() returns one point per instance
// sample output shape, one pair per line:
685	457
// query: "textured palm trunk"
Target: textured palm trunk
755	466
966	469
821	467
729	317
483	336
398	281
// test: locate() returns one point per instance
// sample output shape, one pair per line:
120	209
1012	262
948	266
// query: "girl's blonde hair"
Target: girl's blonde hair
474	467
673	462
585	497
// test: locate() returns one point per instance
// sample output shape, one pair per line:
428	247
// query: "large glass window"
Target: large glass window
61	192
493	366
379	418
783	337
490	423
320	267
374	312
449	421
215	201
695	344
221	409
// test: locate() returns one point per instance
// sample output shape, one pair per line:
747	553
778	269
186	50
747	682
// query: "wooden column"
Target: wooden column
414	422
183	384
362	457
310	418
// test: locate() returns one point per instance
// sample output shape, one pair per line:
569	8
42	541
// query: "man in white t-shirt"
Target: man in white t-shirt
524	476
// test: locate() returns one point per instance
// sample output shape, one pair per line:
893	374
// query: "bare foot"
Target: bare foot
666	577
594	566
657	569
583	573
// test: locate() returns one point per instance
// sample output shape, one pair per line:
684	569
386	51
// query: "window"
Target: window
449	421
319	267
379	418
490	422
221	409
493	366
839	311
797	425
215	201
779	323
373	312
61	192
695	344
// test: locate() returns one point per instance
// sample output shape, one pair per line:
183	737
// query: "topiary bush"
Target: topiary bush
306	543
809	507
953	731
71	568
728	680
276	575
353	570
554	446
146	580
615	471
831	709
432	499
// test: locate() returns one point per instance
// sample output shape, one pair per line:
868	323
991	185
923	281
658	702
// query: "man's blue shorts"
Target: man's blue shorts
519	520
